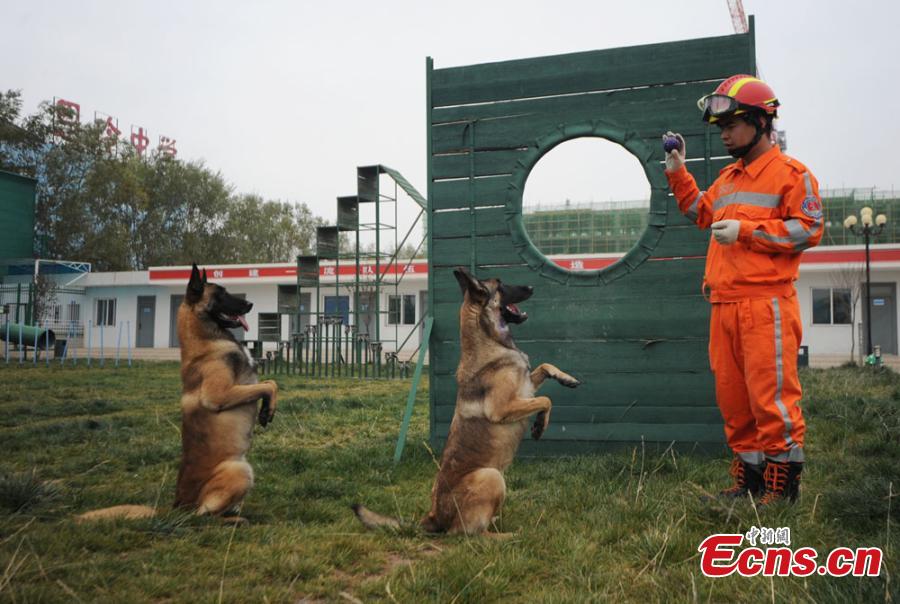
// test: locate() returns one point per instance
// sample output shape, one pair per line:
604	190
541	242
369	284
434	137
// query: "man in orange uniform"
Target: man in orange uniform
764	210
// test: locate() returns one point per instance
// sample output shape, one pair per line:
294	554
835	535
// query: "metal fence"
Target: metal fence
332	349
30	345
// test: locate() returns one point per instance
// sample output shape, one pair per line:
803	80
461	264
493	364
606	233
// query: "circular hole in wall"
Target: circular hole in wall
586	196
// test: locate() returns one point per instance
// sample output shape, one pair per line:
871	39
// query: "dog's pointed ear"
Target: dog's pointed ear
204	276
468	283
195	286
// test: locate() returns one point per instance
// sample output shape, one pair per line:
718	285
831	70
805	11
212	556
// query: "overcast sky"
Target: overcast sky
287	98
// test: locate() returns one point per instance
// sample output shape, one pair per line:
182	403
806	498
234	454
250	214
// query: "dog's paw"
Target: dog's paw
266	412
540	424
568	381
269	404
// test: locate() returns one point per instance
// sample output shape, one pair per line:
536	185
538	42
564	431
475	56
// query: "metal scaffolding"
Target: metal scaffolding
327	345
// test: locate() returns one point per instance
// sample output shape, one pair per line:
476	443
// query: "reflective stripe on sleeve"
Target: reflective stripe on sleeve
798	236
692	211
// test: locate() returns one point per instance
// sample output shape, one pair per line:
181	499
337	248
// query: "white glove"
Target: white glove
675	157
726	231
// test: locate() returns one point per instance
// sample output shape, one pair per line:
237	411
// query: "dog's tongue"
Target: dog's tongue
513	308
243	322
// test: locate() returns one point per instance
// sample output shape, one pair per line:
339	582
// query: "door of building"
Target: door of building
338	306
365	314
174	303
146	321
884	317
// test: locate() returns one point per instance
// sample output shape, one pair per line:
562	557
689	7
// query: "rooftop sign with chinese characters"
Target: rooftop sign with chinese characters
68	115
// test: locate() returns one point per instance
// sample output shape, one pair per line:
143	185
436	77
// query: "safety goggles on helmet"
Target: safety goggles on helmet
720	105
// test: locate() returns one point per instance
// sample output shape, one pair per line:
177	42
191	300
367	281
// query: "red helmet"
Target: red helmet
738	94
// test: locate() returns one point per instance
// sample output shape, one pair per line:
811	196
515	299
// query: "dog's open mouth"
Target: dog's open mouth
235	321
512	314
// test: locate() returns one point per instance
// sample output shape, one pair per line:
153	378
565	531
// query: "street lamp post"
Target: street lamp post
869	230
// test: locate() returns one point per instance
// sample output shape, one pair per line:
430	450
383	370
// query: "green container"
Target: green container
45	337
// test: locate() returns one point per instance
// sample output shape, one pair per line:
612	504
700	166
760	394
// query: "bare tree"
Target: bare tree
365	313
44	298
850	277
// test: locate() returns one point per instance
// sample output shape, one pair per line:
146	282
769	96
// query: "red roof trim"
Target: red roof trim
420	267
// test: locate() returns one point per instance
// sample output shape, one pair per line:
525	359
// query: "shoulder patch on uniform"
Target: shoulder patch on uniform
812	207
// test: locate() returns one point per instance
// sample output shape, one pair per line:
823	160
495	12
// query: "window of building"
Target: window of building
338	306
287	299
831	306
402	309
74	312
269	326
106	311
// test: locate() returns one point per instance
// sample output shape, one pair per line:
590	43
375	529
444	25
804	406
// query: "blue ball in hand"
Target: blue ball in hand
671	143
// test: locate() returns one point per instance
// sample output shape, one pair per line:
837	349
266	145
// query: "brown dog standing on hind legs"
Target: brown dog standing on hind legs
220	389
495	397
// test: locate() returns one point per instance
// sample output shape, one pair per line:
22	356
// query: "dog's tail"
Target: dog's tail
128	512
374	520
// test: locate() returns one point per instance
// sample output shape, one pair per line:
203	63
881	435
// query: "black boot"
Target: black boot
782	481
748	478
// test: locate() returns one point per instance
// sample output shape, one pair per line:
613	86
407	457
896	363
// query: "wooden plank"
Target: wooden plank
532	449
680	101
673	277
602	389
687	61
627	432
583	356
542	449
463	193
496	249
590	414
522	131
486	163
458	223
551	316
680	242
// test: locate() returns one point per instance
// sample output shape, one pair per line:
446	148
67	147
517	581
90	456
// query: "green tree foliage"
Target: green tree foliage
103	203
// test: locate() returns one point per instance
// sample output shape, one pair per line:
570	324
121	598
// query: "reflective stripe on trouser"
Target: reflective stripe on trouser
753	347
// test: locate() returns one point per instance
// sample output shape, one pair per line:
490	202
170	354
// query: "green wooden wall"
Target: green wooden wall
17	195
636	333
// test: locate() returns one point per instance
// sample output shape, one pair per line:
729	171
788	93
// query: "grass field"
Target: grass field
614	527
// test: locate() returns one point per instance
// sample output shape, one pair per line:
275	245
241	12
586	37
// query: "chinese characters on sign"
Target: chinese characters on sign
139	140
68	115
167	146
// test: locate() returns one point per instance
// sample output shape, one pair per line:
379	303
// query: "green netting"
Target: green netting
610	228
840	204
585	231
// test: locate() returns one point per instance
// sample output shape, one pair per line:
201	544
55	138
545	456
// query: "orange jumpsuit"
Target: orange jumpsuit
755	329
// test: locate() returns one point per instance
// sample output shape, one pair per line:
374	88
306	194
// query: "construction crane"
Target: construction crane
738	18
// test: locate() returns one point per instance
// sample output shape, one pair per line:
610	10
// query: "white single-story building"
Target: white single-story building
140	307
